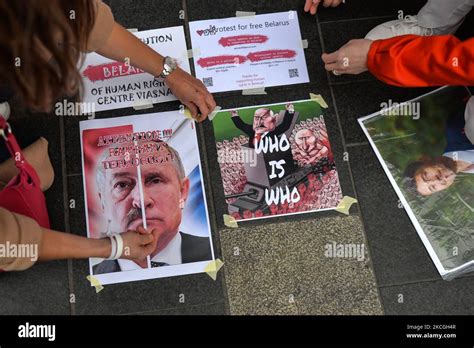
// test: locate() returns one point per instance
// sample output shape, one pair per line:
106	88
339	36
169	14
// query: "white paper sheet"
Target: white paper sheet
114	85
241	53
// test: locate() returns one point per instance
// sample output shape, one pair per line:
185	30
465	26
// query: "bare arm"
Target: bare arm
59	245
192	93
124	45
244	127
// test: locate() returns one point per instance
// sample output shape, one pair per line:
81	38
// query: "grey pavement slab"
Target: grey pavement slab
283	269
430	298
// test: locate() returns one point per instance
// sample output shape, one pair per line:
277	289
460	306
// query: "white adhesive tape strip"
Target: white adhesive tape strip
214	113
245	14
254	91
142	105
195	52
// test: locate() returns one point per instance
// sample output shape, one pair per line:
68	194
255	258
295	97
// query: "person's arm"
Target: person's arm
285	124
59	246
416	61
287	119
52	245
244	127
18	230
111	40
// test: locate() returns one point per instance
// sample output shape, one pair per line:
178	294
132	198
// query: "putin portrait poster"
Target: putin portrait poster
276	160
145	171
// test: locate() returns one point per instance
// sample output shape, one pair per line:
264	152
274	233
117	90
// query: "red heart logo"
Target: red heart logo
200	32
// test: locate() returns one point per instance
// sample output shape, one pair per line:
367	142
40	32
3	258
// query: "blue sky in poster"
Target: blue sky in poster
194	216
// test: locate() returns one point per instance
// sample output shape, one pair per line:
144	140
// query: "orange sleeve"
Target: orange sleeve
417	61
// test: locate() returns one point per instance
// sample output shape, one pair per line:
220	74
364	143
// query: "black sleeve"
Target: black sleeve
286	124
244	127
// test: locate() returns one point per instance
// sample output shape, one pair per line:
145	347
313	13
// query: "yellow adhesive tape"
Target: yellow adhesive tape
304	43
95	283
213	267
132	30
319	99
345	205
230	221
188	113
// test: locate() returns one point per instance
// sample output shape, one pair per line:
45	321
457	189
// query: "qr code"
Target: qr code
293	73
207	81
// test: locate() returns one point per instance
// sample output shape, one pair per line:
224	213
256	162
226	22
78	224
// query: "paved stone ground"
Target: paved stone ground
272	267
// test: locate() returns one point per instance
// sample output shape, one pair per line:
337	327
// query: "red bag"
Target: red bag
23	194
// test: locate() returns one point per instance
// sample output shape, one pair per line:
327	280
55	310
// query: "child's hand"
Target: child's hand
311	6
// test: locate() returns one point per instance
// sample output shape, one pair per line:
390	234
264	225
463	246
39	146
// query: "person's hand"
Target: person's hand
234	113
192	93
349	59
311	6
137	245
290	108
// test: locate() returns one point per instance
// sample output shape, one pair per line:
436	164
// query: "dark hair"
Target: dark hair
31	31
409	181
